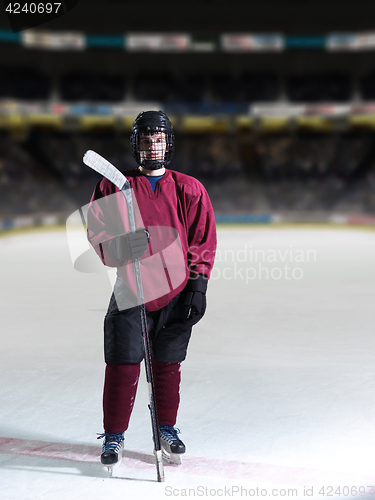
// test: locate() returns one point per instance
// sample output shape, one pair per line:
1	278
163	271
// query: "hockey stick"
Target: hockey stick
110	172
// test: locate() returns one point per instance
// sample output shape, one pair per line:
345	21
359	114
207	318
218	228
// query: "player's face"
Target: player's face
152	146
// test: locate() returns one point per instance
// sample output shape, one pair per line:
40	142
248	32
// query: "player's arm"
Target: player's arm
202	249
114	249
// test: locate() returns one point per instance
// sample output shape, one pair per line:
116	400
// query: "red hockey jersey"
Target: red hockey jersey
180	219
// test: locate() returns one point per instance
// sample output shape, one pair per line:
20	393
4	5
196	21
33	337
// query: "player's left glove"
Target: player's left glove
193	300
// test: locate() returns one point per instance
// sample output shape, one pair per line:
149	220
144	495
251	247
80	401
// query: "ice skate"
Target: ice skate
112	451
172	446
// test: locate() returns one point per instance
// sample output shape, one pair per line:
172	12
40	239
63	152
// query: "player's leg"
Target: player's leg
120	387
169	349
123	349
167	378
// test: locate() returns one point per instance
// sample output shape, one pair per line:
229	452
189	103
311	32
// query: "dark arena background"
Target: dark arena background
273	107
272	102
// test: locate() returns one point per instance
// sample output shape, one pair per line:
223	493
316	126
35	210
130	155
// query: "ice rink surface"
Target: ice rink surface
278	390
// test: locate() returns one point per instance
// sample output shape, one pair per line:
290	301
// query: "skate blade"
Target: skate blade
171	458
113	468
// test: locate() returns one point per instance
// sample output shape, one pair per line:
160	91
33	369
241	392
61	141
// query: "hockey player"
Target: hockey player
176	244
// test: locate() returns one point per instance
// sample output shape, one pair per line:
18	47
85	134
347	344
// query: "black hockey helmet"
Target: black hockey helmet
152	140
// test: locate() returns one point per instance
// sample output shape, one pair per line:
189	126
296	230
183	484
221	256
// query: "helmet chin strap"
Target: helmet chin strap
152	164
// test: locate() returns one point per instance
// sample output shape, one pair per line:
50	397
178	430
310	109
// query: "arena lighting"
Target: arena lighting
350	41
248	42
50	40
188	42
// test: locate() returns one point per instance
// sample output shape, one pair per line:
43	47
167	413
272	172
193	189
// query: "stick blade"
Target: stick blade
105	168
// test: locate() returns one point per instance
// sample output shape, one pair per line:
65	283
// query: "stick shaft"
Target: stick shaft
146	342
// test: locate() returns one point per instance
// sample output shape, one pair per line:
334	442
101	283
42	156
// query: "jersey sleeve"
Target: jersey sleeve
101	228
202	236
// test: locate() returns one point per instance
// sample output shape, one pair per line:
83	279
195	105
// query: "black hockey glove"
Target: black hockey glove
193	299
129	246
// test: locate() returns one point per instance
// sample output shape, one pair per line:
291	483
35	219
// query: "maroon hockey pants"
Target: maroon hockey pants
120	387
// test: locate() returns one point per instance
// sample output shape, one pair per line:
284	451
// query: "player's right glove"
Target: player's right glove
129	246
